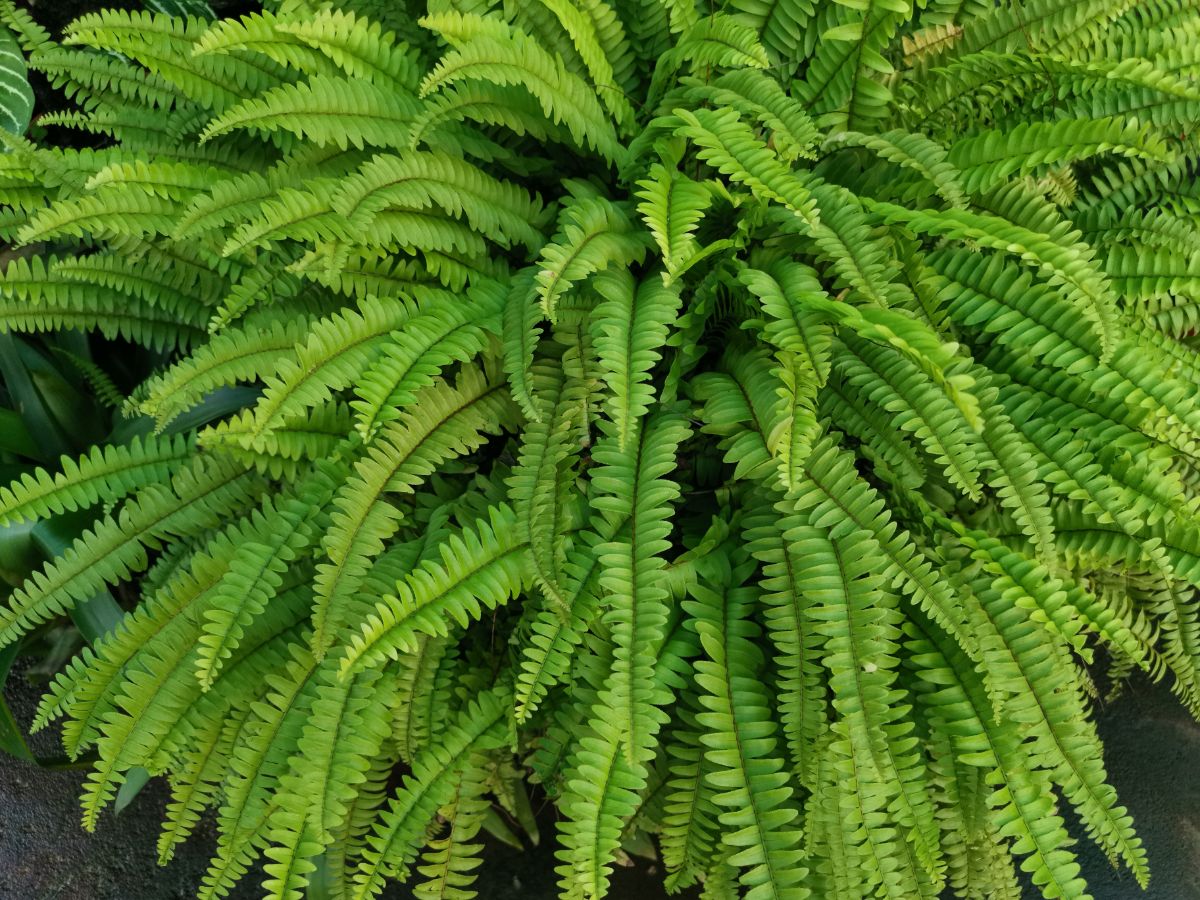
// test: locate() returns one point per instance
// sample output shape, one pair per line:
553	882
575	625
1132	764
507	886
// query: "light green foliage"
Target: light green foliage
751	424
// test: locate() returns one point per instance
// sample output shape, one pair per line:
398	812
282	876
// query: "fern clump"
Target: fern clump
751	423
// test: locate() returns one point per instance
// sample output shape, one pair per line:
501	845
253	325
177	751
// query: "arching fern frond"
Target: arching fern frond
345	112
488	51
106	473
400	829
753	793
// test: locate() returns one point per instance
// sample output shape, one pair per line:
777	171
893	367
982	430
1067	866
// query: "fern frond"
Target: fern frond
165	45
450	862
989	158
728	144
400	829
479	567
444	422
672	206
915	152
496	209
753	793
237	354
1069	267
633	487
345	112
604	785
200	495
846	81
593	235
106	473
440	334
337	352
489	51
276	535
631	327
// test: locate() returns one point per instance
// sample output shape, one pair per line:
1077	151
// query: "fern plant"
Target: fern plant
752	423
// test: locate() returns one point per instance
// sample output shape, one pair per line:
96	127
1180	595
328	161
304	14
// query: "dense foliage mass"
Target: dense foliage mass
752	423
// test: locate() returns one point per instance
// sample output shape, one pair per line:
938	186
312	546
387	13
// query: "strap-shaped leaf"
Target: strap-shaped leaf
17	104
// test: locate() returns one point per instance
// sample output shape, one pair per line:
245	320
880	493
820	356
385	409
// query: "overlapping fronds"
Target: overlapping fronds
754	427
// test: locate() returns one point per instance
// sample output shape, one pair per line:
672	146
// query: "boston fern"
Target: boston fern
753	424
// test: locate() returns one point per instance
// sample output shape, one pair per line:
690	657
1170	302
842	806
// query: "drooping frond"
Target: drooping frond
445	422
489	51
400	829
480	567
116	547
754	796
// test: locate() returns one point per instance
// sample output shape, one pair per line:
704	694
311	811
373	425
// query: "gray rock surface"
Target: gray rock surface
1152	750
